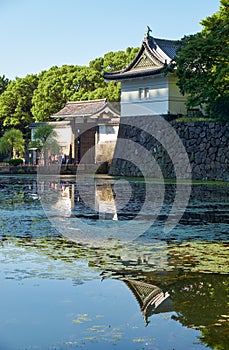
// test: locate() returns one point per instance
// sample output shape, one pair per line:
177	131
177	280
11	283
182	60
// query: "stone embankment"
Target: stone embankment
203	153
34	169
207	146
19	169
206	143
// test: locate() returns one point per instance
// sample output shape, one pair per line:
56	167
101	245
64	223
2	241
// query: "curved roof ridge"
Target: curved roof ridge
159	53
88	101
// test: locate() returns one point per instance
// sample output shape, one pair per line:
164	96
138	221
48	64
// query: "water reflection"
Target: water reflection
94	205
182	276
196	300
200	301
151	298
110	199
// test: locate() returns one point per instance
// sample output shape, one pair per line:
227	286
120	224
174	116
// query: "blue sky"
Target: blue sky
39	34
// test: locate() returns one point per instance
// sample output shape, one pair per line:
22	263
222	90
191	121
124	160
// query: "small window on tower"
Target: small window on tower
141	93
146	93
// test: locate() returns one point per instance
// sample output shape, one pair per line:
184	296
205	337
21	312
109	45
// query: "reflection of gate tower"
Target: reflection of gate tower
151	299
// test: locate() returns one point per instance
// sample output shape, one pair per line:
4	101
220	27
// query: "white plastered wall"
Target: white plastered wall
155	101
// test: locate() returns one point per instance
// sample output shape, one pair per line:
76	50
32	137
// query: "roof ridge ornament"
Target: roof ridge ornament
150	37
149	30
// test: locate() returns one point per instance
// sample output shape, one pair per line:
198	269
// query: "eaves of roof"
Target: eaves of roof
122	75
81	108
159	51
86	109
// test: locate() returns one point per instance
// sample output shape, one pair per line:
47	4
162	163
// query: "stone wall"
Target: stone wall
205	142
19	169
207	146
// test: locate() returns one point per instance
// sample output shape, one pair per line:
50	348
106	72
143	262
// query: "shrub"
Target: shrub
15	161
21	171
103	168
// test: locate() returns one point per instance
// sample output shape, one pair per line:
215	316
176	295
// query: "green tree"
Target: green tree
97	64
48	97
36	98
60	84
202	65
12	143
44	138
3	84
111	90
112	61
16	102
115	61
84	81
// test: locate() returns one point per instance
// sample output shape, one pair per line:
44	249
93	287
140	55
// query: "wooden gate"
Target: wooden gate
85	147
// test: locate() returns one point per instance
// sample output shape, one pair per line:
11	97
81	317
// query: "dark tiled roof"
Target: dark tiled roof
87	108
151	59
168	46
81	108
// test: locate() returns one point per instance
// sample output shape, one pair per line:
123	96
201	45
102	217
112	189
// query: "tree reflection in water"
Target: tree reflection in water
185	271
197	300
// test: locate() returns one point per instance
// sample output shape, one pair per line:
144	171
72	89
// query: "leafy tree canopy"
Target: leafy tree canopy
202	65
77	83
115	61
36	98
60	84
3	83
12	143
44	139
43	132
16	102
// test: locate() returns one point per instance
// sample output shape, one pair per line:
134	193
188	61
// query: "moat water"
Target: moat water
89	266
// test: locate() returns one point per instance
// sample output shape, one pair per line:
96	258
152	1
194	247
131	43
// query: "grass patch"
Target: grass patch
186	119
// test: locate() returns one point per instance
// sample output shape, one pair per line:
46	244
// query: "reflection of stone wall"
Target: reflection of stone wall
206	143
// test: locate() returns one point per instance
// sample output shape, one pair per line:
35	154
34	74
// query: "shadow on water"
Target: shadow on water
182	275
